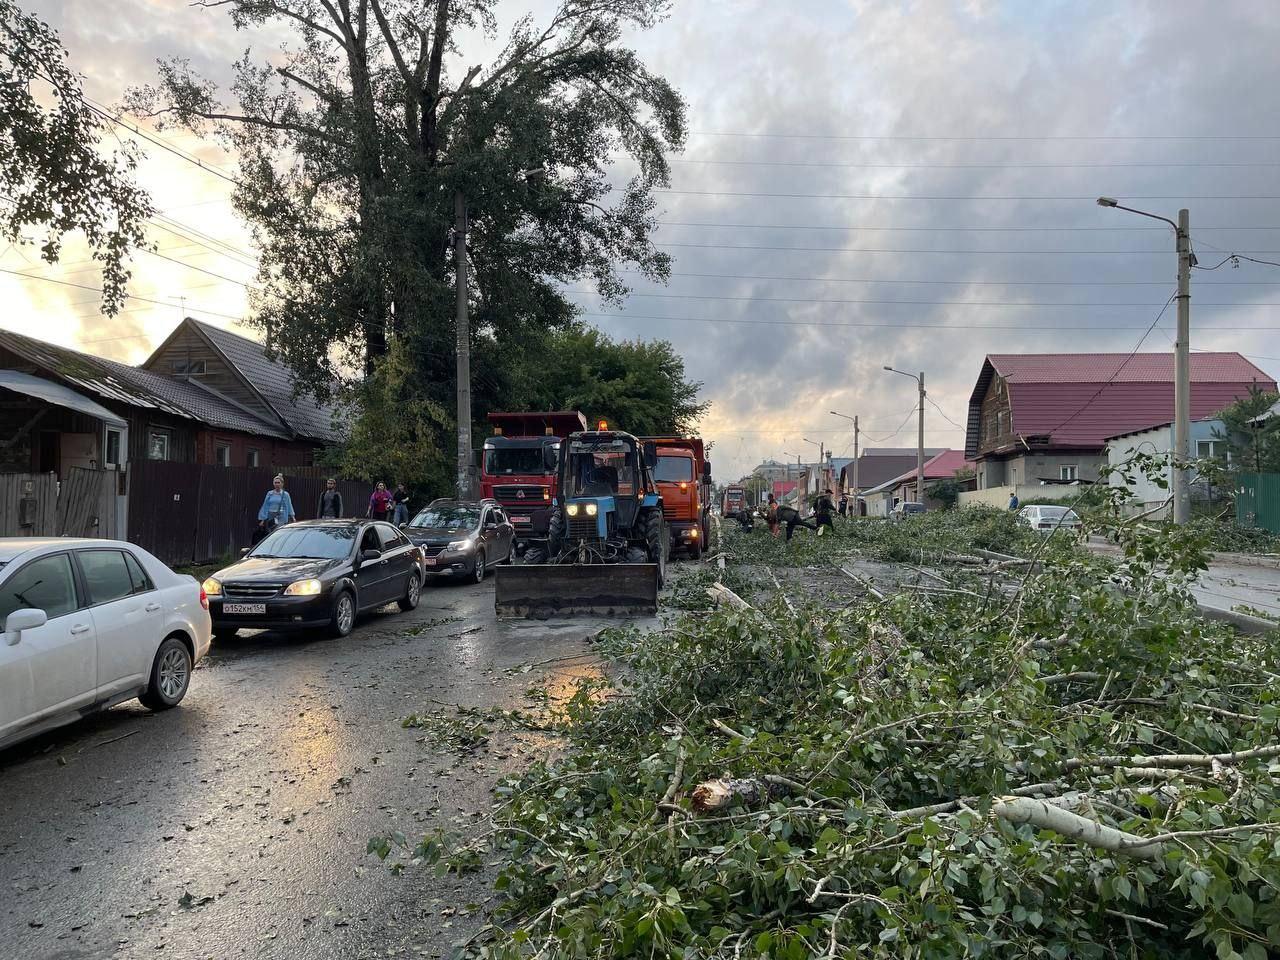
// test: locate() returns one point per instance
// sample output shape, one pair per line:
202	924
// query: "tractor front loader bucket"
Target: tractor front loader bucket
544	590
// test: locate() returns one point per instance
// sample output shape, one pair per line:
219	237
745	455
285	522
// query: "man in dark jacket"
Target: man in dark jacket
330	505
791	517
823	512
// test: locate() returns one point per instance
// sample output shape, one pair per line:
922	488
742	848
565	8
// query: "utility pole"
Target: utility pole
920	446
1182	377
855	466
464	345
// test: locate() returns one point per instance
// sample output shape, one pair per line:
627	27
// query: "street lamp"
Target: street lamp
854	479
920	438
788	453
1181	357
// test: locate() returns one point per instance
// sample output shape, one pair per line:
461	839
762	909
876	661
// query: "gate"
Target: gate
164	506
1258	501
87	504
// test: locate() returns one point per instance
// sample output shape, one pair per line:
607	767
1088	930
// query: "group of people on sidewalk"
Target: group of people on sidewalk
277	507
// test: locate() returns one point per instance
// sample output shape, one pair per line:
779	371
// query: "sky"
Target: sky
865	183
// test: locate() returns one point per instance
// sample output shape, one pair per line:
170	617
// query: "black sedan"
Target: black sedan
316	574
462	538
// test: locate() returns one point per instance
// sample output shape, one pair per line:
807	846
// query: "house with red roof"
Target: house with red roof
880	500
1046	418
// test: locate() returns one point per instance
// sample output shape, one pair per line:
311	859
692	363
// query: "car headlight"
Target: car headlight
303	588
571	509
592	509
212	587
459	545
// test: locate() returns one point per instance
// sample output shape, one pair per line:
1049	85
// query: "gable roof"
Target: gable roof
272	381
878	464
1081	399
941	467
135	387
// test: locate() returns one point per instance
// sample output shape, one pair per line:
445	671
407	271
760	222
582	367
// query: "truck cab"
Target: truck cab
518	465
683	476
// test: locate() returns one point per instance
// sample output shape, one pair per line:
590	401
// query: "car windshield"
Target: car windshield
515	461
319	543
447	518
673	469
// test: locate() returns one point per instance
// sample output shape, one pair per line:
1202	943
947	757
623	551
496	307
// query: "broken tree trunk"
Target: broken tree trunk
1048	816
723	595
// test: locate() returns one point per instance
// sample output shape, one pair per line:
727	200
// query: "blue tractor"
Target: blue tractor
607	542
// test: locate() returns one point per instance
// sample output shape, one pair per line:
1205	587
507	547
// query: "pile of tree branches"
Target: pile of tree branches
1071	764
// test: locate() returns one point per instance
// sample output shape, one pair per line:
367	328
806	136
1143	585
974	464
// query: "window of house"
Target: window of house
251	458
1212	450
113	448
158	444
188	368
1069	471
222	454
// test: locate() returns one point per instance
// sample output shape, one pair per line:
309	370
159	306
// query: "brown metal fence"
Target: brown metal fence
192	513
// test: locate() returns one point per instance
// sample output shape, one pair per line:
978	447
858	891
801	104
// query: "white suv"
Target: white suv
88	624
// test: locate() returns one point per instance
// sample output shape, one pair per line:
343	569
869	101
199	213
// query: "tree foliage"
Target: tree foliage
54	176
1253	447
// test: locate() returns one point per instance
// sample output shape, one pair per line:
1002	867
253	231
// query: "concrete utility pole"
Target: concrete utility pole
464	345
1182	376
854	474
1181	358
920	438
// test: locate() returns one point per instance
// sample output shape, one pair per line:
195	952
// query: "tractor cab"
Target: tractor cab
605	480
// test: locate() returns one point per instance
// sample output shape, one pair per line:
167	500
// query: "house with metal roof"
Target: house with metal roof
227	404
880	500
1045	419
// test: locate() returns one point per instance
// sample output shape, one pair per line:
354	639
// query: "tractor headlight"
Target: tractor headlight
571	509
592	509
303	588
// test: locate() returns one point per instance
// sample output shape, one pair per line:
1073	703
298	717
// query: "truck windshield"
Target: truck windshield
603	470
515	461
673	469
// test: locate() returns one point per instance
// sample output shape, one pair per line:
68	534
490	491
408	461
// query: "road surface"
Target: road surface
236	825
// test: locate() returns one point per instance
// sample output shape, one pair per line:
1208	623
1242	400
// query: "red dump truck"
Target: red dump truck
734	500
518	465
683	476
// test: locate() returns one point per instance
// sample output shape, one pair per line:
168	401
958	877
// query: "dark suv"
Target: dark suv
462	538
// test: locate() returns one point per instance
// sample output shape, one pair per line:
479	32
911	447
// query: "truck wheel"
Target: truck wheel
656	540
695	550
555	534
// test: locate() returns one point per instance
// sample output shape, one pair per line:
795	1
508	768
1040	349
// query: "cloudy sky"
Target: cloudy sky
866	183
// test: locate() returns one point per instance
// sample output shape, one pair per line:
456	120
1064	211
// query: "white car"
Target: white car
88	624
1049	519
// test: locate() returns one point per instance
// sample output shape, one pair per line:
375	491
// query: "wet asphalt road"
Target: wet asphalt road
236	825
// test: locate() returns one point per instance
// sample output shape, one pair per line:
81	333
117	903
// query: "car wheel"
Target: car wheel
344	614
412	593
170	676
479	570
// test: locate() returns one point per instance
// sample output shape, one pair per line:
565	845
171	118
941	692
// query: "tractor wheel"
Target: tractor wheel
656	541
535	555
555	533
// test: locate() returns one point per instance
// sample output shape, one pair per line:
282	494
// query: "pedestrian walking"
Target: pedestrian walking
844	506
330	505
771	515
1013	501
400	499
379	503
823	512
276	509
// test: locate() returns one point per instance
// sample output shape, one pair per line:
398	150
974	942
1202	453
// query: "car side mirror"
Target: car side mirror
404	525
370	555
244	551
19	620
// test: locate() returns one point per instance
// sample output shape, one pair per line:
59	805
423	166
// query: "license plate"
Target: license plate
521	519
429	561
259	608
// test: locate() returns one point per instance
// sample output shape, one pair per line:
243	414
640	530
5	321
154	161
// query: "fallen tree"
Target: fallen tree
1065	763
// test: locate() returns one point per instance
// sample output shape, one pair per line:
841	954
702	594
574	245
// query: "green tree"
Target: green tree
1253	447
53	176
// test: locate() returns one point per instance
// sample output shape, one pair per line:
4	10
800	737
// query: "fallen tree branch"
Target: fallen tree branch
727	730
1070	677
865	583
1176	759
1048	816
721	594
947	806
676	776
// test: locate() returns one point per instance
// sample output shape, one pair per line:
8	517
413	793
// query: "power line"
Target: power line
971	197
209	168
974	166
935	406
1240	256
929	303
963	282
972	139
934	229
916	250
128	296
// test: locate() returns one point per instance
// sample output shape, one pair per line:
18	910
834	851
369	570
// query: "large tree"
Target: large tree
55	178
354	141
1252	432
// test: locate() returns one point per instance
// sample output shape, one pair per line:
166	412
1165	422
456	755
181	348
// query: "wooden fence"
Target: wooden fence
36	505
28	505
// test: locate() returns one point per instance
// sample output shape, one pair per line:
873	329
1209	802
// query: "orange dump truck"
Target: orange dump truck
683	476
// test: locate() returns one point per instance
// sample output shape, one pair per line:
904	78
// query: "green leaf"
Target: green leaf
1241	905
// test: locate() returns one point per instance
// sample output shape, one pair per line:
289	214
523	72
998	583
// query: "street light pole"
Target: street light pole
920	437
1181	359
854	480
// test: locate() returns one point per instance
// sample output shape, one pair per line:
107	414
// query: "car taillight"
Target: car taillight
204	599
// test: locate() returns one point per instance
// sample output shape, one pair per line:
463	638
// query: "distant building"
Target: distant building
1158	441
882	498
1037	419
772	470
